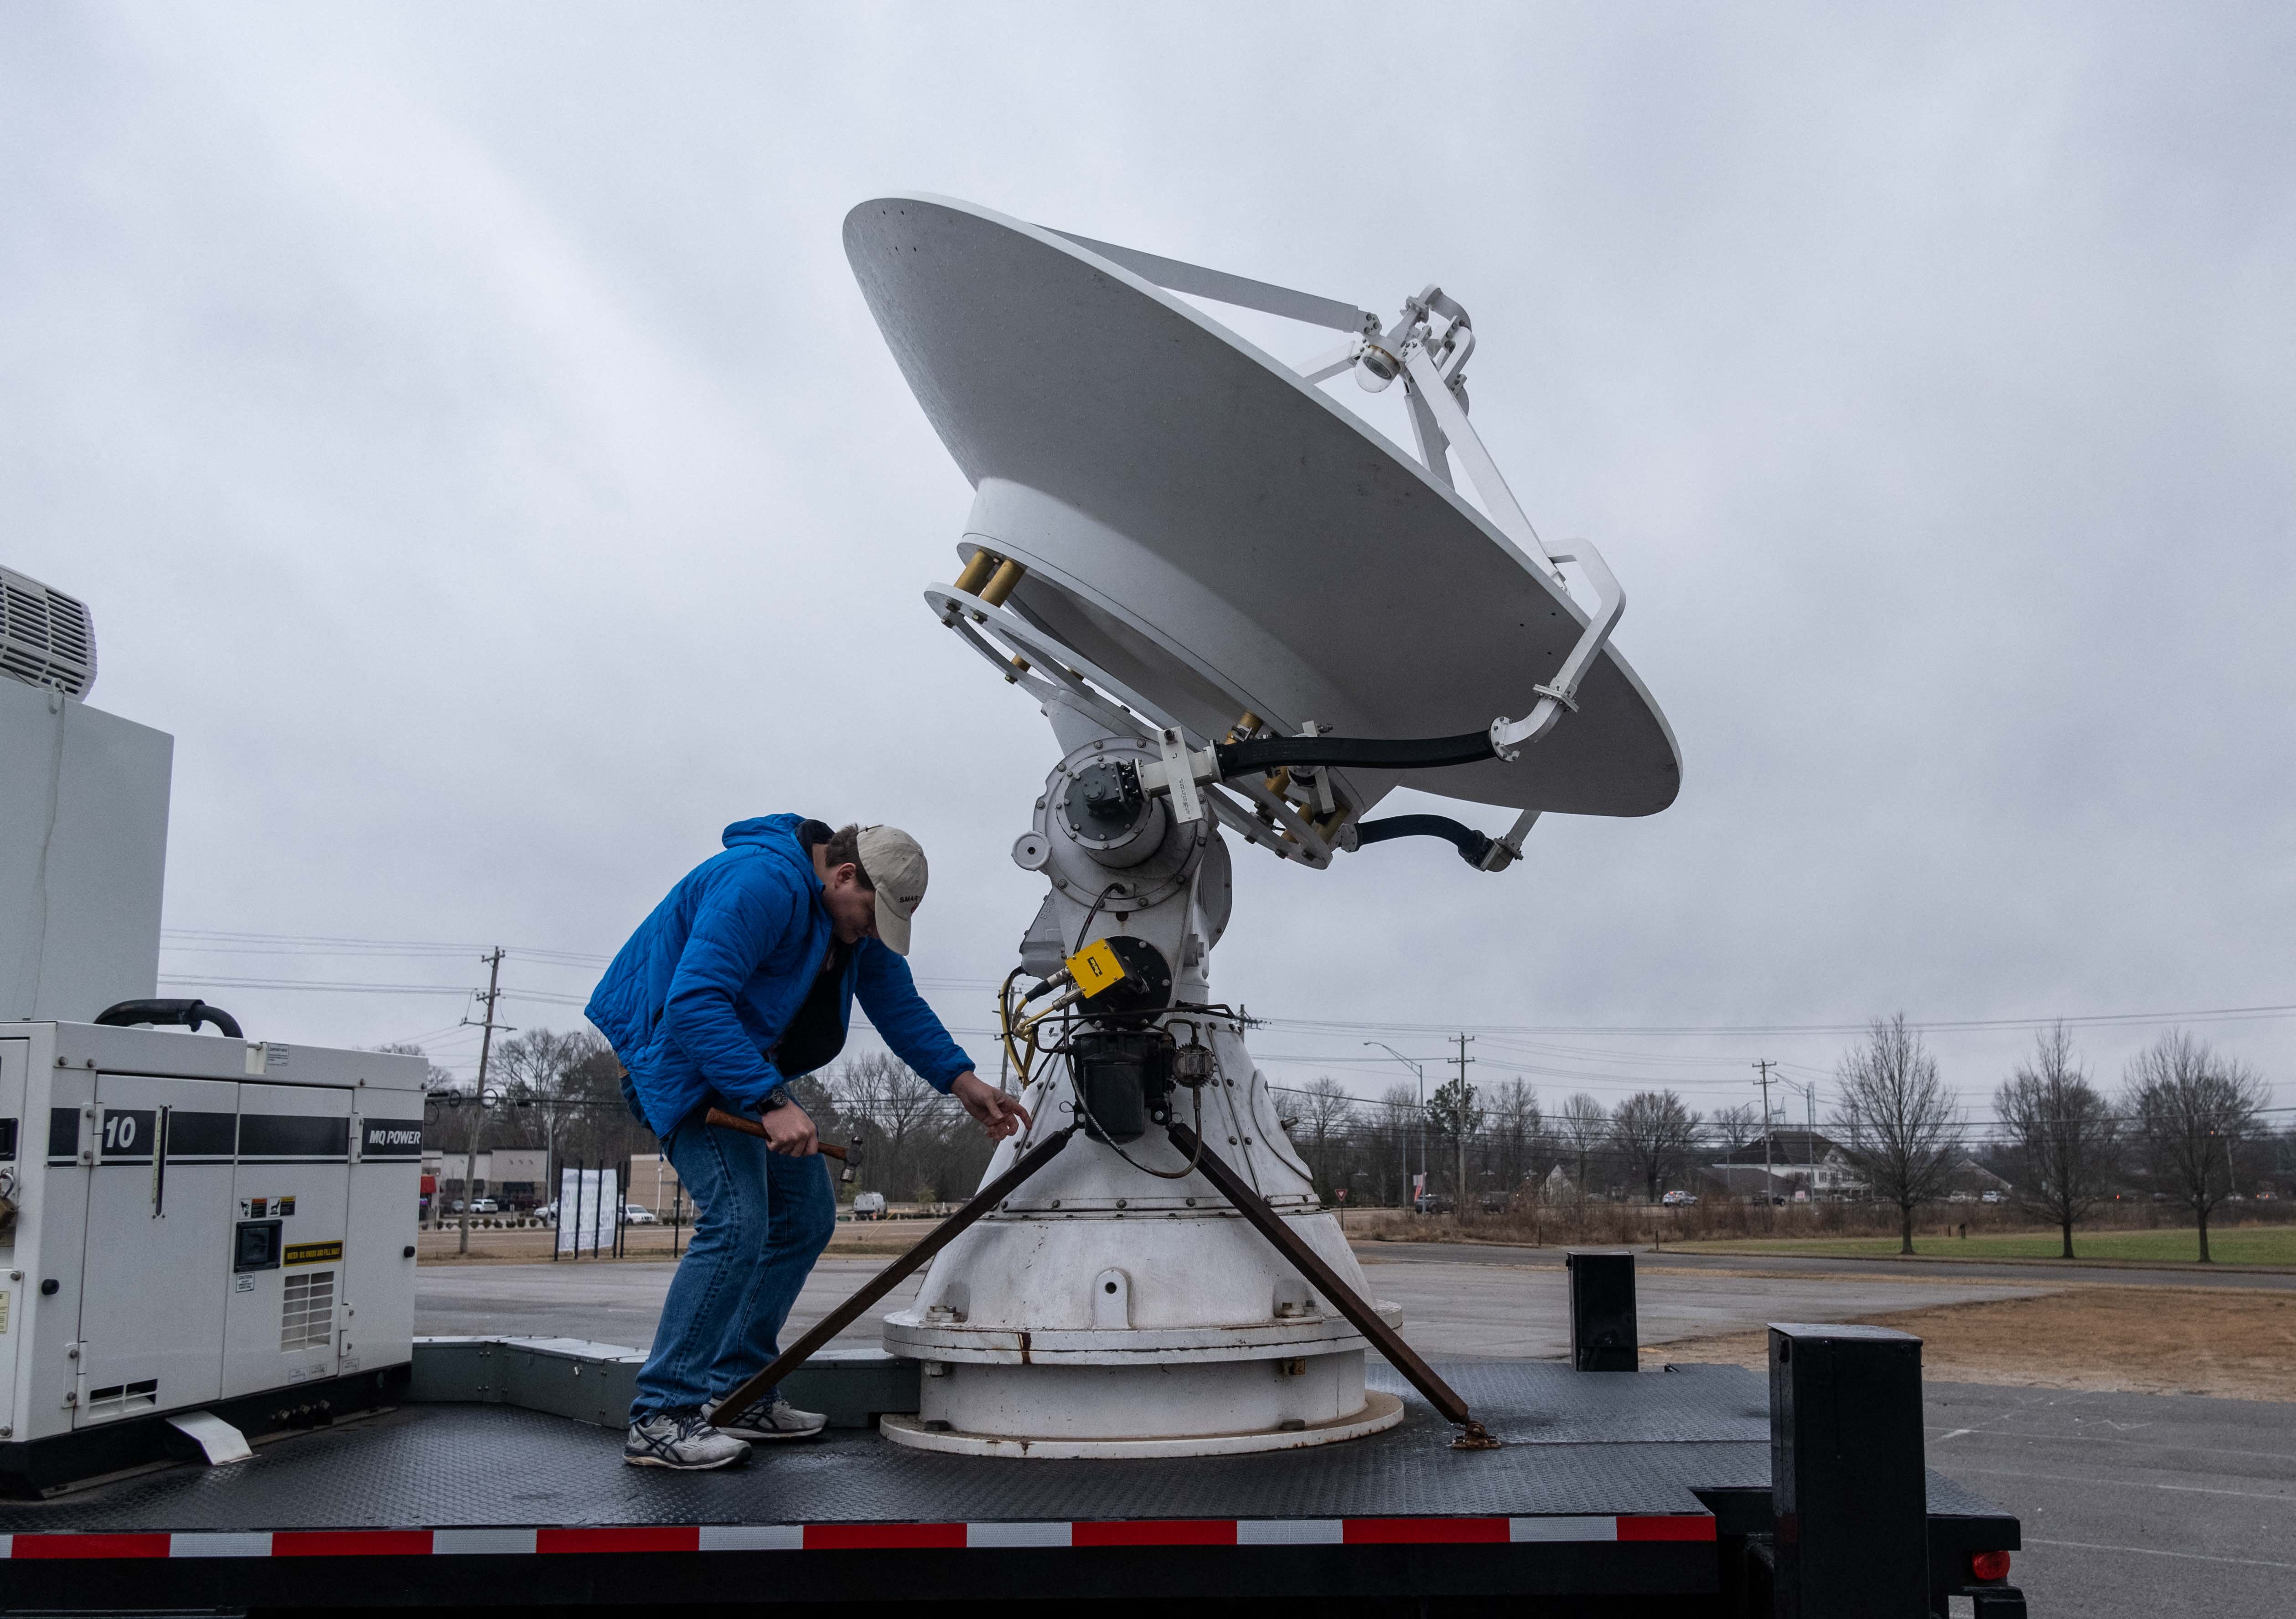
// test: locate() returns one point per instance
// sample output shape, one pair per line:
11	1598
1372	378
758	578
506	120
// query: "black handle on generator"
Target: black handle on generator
191	1014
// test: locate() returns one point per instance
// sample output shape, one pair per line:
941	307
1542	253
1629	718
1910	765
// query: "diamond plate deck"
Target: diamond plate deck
1573	1443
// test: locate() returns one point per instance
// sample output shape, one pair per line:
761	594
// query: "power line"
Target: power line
1935	1025
218	939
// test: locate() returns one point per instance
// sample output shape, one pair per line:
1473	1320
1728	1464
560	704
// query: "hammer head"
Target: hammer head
852	1170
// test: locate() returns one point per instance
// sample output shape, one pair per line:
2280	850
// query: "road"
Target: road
2162	1505
1453	1309
606	1302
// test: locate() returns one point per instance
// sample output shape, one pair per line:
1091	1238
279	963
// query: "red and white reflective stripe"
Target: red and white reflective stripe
625	1539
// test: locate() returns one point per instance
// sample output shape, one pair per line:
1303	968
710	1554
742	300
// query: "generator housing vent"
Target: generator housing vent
306	1317
46	638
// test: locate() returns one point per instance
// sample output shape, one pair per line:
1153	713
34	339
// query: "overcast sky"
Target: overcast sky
466	430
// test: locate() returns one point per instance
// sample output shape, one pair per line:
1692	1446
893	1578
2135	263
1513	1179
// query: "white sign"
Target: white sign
587	1199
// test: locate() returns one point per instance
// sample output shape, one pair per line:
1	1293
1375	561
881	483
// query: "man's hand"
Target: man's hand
789	1128
999	1115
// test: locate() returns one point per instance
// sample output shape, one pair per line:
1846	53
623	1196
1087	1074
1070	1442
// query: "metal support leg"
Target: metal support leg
1602	1330
731	1408
1360	1315
1847	1480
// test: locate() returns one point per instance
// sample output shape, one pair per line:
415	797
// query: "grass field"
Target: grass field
2233	1342
2253	1246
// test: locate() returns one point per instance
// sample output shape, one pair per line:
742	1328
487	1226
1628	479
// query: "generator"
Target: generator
195	1224
202	1238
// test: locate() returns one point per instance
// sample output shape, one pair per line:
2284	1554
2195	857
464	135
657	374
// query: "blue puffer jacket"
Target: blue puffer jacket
705	985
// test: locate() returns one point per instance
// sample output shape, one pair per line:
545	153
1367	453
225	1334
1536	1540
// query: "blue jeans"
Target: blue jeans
761	1219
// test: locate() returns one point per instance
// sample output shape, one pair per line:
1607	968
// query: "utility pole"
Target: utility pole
1459	1123
478	1101
1766	1065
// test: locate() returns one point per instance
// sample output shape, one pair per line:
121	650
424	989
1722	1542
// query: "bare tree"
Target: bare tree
1398	1107
1898	1120
2190	1107
1583	1125
1517	1131
902	1112
1735	1127
2061	1141
546	1071
1654	1133
1328	1113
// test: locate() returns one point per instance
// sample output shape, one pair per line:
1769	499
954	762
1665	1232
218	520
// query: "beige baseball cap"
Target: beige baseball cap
895	865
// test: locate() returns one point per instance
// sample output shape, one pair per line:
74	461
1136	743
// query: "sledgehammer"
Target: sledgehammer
848	1155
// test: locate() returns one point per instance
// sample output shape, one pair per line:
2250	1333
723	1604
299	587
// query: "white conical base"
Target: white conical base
1102	1306
1380	1411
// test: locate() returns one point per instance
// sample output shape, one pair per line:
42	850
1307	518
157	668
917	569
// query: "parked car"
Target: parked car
1679	1200
1431	1203
869	1205
635	1214
485	1206
1991	1197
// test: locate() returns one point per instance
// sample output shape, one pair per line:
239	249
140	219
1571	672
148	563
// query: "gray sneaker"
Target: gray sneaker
779	1420
683	1440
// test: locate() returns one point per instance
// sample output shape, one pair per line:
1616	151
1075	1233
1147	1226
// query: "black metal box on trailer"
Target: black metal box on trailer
1604	1333
1847	1475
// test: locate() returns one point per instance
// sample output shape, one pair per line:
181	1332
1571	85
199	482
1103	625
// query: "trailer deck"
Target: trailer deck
1614	1492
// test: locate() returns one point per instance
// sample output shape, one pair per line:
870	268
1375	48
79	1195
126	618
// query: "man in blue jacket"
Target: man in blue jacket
743	978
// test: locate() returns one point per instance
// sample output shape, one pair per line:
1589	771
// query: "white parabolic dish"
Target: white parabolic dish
1210	530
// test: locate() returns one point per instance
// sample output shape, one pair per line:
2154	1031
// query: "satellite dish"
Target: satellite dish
1204	534
1238	604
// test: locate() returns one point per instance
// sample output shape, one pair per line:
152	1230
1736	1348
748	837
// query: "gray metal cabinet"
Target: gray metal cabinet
151	1312
289	1221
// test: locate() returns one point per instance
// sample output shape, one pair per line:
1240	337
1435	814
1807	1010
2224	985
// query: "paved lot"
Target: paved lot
2034	1273
606	1302
1451	1309
2162	1505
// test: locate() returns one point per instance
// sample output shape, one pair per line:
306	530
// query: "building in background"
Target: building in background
1803	1165
516	1177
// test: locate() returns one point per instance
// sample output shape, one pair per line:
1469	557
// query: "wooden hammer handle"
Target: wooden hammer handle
723	1120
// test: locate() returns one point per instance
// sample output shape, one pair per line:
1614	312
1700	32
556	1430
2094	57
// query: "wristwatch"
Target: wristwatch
778	1097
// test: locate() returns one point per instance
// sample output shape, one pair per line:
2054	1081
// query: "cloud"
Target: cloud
473	447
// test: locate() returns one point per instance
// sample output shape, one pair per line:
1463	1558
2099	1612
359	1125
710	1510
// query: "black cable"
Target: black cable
1472	846
1095	911
1271	753
192	1014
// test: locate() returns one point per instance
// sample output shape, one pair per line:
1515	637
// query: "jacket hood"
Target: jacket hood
775	835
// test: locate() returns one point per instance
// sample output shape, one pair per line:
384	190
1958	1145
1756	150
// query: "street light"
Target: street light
1411	1063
